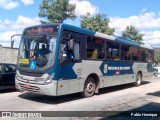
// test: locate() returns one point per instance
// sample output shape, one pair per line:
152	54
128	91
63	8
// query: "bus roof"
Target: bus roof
131	42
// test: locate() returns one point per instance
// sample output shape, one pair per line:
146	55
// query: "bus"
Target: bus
60	59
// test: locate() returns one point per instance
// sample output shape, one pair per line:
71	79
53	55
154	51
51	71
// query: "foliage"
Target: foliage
56	11
157	56
132	33
98	23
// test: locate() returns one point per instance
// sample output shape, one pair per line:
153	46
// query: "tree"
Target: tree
56	11
132	33
98	23
156	56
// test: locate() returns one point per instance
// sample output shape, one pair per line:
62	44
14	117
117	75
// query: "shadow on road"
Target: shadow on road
120	87
157	94
50	99
3	91
145	112
66	98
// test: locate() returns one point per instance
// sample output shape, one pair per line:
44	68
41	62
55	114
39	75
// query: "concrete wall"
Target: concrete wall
8	55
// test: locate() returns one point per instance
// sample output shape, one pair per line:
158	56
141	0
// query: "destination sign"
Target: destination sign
42	30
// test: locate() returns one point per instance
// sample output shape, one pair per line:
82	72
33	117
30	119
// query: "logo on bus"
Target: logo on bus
105	68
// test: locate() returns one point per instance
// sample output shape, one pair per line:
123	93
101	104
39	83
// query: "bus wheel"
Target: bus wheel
138	79
89	87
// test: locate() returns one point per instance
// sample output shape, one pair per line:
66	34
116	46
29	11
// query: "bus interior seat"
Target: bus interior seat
94	54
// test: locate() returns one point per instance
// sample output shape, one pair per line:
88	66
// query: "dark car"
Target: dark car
7	75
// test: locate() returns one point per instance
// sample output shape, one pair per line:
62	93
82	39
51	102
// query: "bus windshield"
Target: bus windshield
37	53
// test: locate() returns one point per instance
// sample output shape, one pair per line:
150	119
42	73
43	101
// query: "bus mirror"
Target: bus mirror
70	45
12	43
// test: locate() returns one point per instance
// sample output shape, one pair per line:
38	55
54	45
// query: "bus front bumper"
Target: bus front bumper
48	89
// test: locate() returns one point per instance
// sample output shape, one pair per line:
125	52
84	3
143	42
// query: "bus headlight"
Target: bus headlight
49	79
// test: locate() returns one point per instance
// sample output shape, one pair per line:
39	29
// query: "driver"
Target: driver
43	51
42	59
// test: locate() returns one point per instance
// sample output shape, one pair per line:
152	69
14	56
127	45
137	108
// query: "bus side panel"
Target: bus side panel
69	78
74	84
145	68
62	87
90	67
117	72
118	80
110	73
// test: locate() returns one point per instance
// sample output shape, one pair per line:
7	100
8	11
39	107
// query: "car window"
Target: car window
9	68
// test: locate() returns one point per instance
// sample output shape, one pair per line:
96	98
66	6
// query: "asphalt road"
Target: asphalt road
145	98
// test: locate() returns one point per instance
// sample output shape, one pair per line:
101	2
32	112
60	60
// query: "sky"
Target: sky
15	15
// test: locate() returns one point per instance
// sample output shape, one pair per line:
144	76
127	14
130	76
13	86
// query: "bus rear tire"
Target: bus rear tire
138	79
89	87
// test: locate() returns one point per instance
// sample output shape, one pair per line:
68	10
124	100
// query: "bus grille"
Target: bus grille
31	88
30	74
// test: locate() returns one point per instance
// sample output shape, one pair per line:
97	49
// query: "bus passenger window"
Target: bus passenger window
67	54
125	54
134	51
113	50
150	56
143	52
76	50
95	48
63	50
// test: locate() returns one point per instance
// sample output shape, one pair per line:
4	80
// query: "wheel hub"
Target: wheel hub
139	80
89	87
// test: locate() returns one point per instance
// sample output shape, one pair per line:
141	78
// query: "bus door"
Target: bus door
70	70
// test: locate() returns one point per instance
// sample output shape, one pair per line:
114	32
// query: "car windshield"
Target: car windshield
37	53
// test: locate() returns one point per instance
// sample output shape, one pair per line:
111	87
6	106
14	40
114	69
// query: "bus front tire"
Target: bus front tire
89	87
138	79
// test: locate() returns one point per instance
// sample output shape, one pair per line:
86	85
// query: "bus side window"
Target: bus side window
63	50
125	54
113	50
76	50
90	48
150	56
143	52
65	53
107	51
95	48
101	49
134	52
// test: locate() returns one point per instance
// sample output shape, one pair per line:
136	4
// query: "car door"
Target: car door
9	75
1	74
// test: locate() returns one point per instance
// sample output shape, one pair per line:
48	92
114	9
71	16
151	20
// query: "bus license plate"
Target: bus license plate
26	86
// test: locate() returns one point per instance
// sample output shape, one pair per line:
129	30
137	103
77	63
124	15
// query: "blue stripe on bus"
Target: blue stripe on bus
67	72
110	68
56	59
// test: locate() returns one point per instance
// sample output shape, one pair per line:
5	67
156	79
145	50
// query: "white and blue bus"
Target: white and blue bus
62	59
